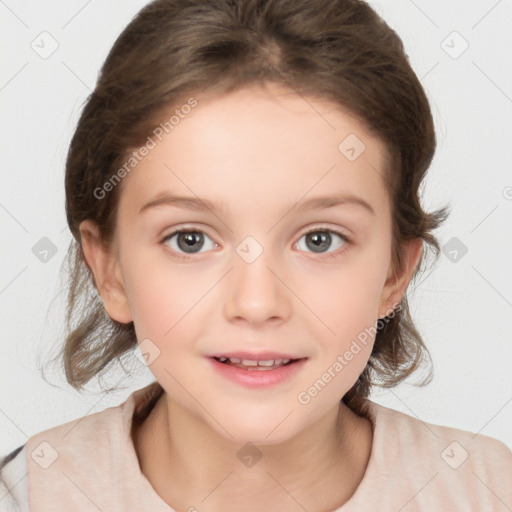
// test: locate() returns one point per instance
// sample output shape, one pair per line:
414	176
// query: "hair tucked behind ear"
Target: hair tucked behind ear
339	50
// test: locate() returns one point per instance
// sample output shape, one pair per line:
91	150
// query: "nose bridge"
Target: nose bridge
255	291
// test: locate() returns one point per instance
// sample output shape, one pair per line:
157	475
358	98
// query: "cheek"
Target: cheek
344	338
348	300
346	304
164	298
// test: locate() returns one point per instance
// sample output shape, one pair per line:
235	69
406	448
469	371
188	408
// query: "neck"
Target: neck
189	465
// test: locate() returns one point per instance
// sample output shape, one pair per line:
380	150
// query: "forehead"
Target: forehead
265	144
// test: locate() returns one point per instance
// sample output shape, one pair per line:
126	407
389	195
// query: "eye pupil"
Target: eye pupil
320	239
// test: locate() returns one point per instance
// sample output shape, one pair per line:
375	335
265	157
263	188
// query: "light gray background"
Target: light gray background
463	308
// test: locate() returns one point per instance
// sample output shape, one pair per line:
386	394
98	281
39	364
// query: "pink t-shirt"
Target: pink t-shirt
90	464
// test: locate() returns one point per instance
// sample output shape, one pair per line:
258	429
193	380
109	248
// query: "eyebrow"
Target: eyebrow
198	204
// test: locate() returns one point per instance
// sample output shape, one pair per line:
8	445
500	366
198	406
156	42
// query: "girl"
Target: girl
288	140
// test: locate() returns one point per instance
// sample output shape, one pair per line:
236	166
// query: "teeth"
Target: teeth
253	362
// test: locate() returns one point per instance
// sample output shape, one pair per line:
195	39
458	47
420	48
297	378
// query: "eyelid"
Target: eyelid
337	231
185	227
345	233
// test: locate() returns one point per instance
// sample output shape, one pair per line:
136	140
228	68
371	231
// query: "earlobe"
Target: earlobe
396	284
106	273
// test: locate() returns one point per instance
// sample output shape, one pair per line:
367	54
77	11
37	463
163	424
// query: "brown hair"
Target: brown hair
339	50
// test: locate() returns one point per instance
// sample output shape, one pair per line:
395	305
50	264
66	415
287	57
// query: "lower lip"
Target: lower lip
257	378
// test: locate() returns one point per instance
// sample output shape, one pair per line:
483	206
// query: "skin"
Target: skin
260	152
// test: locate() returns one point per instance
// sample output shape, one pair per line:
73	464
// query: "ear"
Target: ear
105	268
396	284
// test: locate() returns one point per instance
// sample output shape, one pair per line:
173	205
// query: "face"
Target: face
265	267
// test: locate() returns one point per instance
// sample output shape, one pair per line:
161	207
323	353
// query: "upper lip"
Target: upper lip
256	356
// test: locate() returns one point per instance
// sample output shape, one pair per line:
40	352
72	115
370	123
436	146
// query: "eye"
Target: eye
188	241
320	239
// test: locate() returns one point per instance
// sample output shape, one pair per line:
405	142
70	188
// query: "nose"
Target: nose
256	292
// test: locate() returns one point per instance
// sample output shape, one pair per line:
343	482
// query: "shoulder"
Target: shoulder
452	445
114	423
461	467
100	442
13	481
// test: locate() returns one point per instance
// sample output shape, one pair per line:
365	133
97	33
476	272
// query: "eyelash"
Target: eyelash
332	254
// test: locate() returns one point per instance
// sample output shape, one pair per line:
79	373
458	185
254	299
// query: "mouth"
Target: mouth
262	370
259	364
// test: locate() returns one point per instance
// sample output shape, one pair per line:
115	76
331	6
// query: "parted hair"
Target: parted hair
338	50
